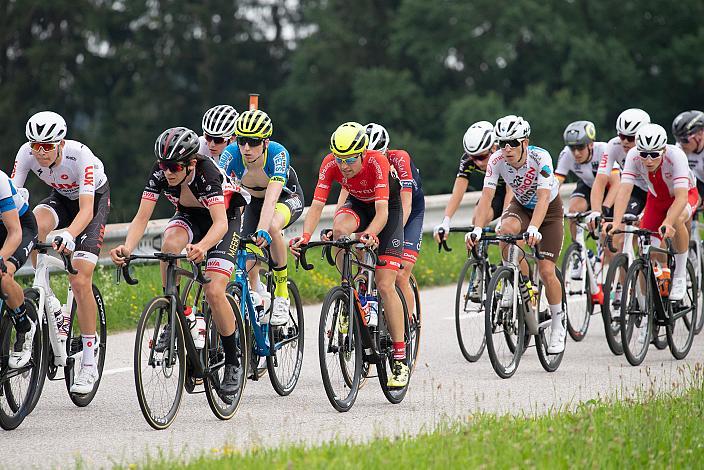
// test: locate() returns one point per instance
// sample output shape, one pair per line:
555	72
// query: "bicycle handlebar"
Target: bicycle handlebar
345	243
443	241
166	257
68	266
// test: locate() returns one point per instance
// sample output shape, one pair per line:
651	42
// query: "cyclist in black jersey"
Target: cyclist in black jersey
206	223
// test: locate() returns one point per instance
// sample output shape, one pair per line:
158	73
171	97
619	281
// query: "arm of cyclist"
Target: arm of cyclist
458	190
541	208
614	183
273	191
406	203
370	237
134	233
624	194
675	212
196	252
309	224
79	224
482	214
11	221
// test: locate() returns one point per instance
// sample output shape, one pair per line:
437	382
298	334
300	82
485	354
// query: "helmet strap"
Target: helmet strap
58	157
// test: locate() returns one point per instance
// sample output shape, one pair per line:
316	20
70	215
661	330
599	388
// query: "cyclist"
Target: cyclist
18	234
79	203
479	143
206	223
373	207
627	124
263	167
688	129
536	208
218	129
672	195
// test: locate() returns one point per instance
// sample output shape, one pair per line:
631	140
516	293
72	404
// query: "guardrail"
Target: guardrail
115	234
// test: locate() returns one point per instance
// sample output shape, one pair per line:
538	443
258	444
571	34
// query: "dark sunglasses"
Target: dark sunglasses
252	141
630	138
215	140
651	155
43	146
513	143
577	147
480	157
173	167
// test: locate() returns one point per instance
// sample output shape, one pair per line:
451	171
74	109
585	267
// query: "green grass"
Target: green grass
644	430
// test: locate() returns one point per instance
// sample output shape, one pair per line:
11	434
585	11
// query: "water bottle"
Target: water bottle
371	312
262	316
53	305
266	302
196	322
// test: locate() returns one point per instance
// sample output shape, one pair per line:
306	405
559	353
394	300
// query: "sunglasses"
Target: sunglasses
215	140
173	167
630	138
252	141
513	143
577	147
349	160
43	146
481	157
651	155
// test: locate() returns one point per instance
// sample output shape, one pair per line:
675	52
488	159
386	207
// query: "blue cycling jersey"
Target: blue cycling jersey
276	162
9	197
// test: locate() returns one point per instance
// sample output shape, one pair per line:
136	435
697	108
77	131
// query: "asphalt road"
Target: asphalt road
112	430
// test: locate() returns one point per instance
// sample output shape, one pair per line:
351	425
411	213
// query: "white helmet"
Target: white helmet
219	121
651	138
511	127
631	120
378	137
479	138
45	126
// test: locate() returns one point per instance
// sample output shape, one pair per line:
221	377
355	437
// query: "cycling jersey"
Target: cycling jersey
615	154
409	177
587	171
407	172
78	172
696	163
536	173
208	184
468	168
371	184
9	197
276	164
673	171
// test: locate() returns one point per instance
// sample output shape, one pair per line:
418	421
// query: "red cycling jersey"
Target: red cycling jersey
369	185
402	162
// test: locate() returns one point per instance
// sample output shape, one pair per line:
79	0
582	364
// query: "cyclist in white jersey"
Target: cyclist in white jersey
688	129
627	124
79	203
672	194
536	208
218	130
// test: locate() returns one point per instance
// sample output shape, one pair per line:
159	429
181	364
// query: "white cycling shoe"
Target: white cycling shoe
279	314
679	289
557	335
22	351
85	380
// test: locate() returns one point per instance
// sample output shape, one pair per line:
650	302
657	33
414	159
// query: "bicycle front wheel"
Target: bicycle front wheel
577	287
683	318
415	323
339	350
285	368
159	375
698	263
394	395
469	309
636	313
550	362
504	327
611	308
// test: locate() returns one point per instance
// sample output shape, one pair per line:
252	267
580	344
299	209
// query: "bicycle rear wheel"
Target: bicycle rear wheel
681	327
577	286
415	323
636	314
469	309
339	350
74	349
285	368
698	263
223	406
505	329
31	295
159	377
550	362
613	296
394	395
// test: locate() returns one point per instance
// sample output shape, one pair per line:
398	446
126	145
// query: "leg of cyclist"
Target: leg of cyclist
412	238
47	220
681	247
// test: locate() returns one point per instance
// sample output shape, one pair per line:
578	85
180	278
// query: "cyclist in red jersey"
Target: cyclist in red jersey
374	208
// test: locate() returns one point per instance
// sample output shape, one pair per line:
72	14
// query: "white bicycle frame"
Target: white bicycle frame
531	317
588	267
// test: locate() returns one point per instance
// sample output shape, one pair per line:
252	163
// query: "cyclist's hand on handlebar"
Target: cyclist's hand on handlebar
118	255
263	238
667	231
591	220
609	229
326	235
296	243
445	226
195	252
471	238
369	239
534	235
66	244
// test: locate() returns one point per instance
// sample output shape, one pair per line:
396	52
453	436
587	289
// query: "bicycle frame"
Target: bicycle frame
531	312
262	345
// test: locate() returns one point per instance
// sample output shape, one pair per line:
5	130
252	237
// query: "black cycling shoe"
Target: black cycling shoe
230	383
163	341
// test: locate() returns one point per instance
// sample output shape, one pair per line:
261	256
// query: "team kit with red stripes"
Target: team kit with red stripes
233	182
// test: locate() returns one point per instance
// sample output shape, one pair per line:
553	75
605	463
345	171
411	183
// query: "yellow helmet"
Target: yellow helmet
254	123
348	139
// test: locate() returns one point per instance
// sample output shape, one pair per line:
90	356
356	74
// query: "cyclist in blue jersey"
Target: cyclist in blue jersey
262	166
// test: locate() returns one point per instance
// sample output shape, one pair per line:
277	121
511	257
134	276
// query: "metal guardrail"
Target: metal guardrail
115	234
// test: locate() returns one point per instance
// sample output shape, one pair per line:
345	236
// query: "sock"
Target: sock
229	344
22	324
399	350
556	313
680	265
88	353
281	280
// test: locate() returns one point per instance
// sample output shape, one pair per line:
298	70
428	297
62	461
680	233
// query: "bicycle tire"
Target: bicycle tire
348	343
161	305
505	317
634	316
612	324
550	362
700	282
393	395
32	295
416	322
578	322
223	407
295	328
74	347
471	350
683	322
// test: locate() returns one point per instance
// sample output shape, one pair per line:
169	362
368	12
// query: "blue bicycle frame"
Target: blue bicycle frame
262	345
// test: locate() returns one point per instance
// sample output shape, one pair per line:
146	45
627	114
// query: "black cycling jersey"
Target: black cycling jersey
468	168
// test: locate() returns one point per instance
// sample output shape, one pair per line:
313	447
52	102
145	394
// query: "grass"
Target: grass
645	430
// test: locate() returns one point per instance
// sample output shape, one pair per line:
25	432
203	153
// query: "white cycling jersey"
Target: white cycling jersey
615	154
586	171
536	173
696	163
9	197
79	172
674	171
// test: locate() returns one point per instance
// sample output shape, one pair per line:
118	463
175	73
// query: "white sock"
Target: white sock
88	354
680	265
556	313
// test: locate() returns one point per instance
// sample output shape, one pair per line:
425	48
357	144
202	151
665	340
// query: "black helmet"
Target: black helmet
686	123
176	144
